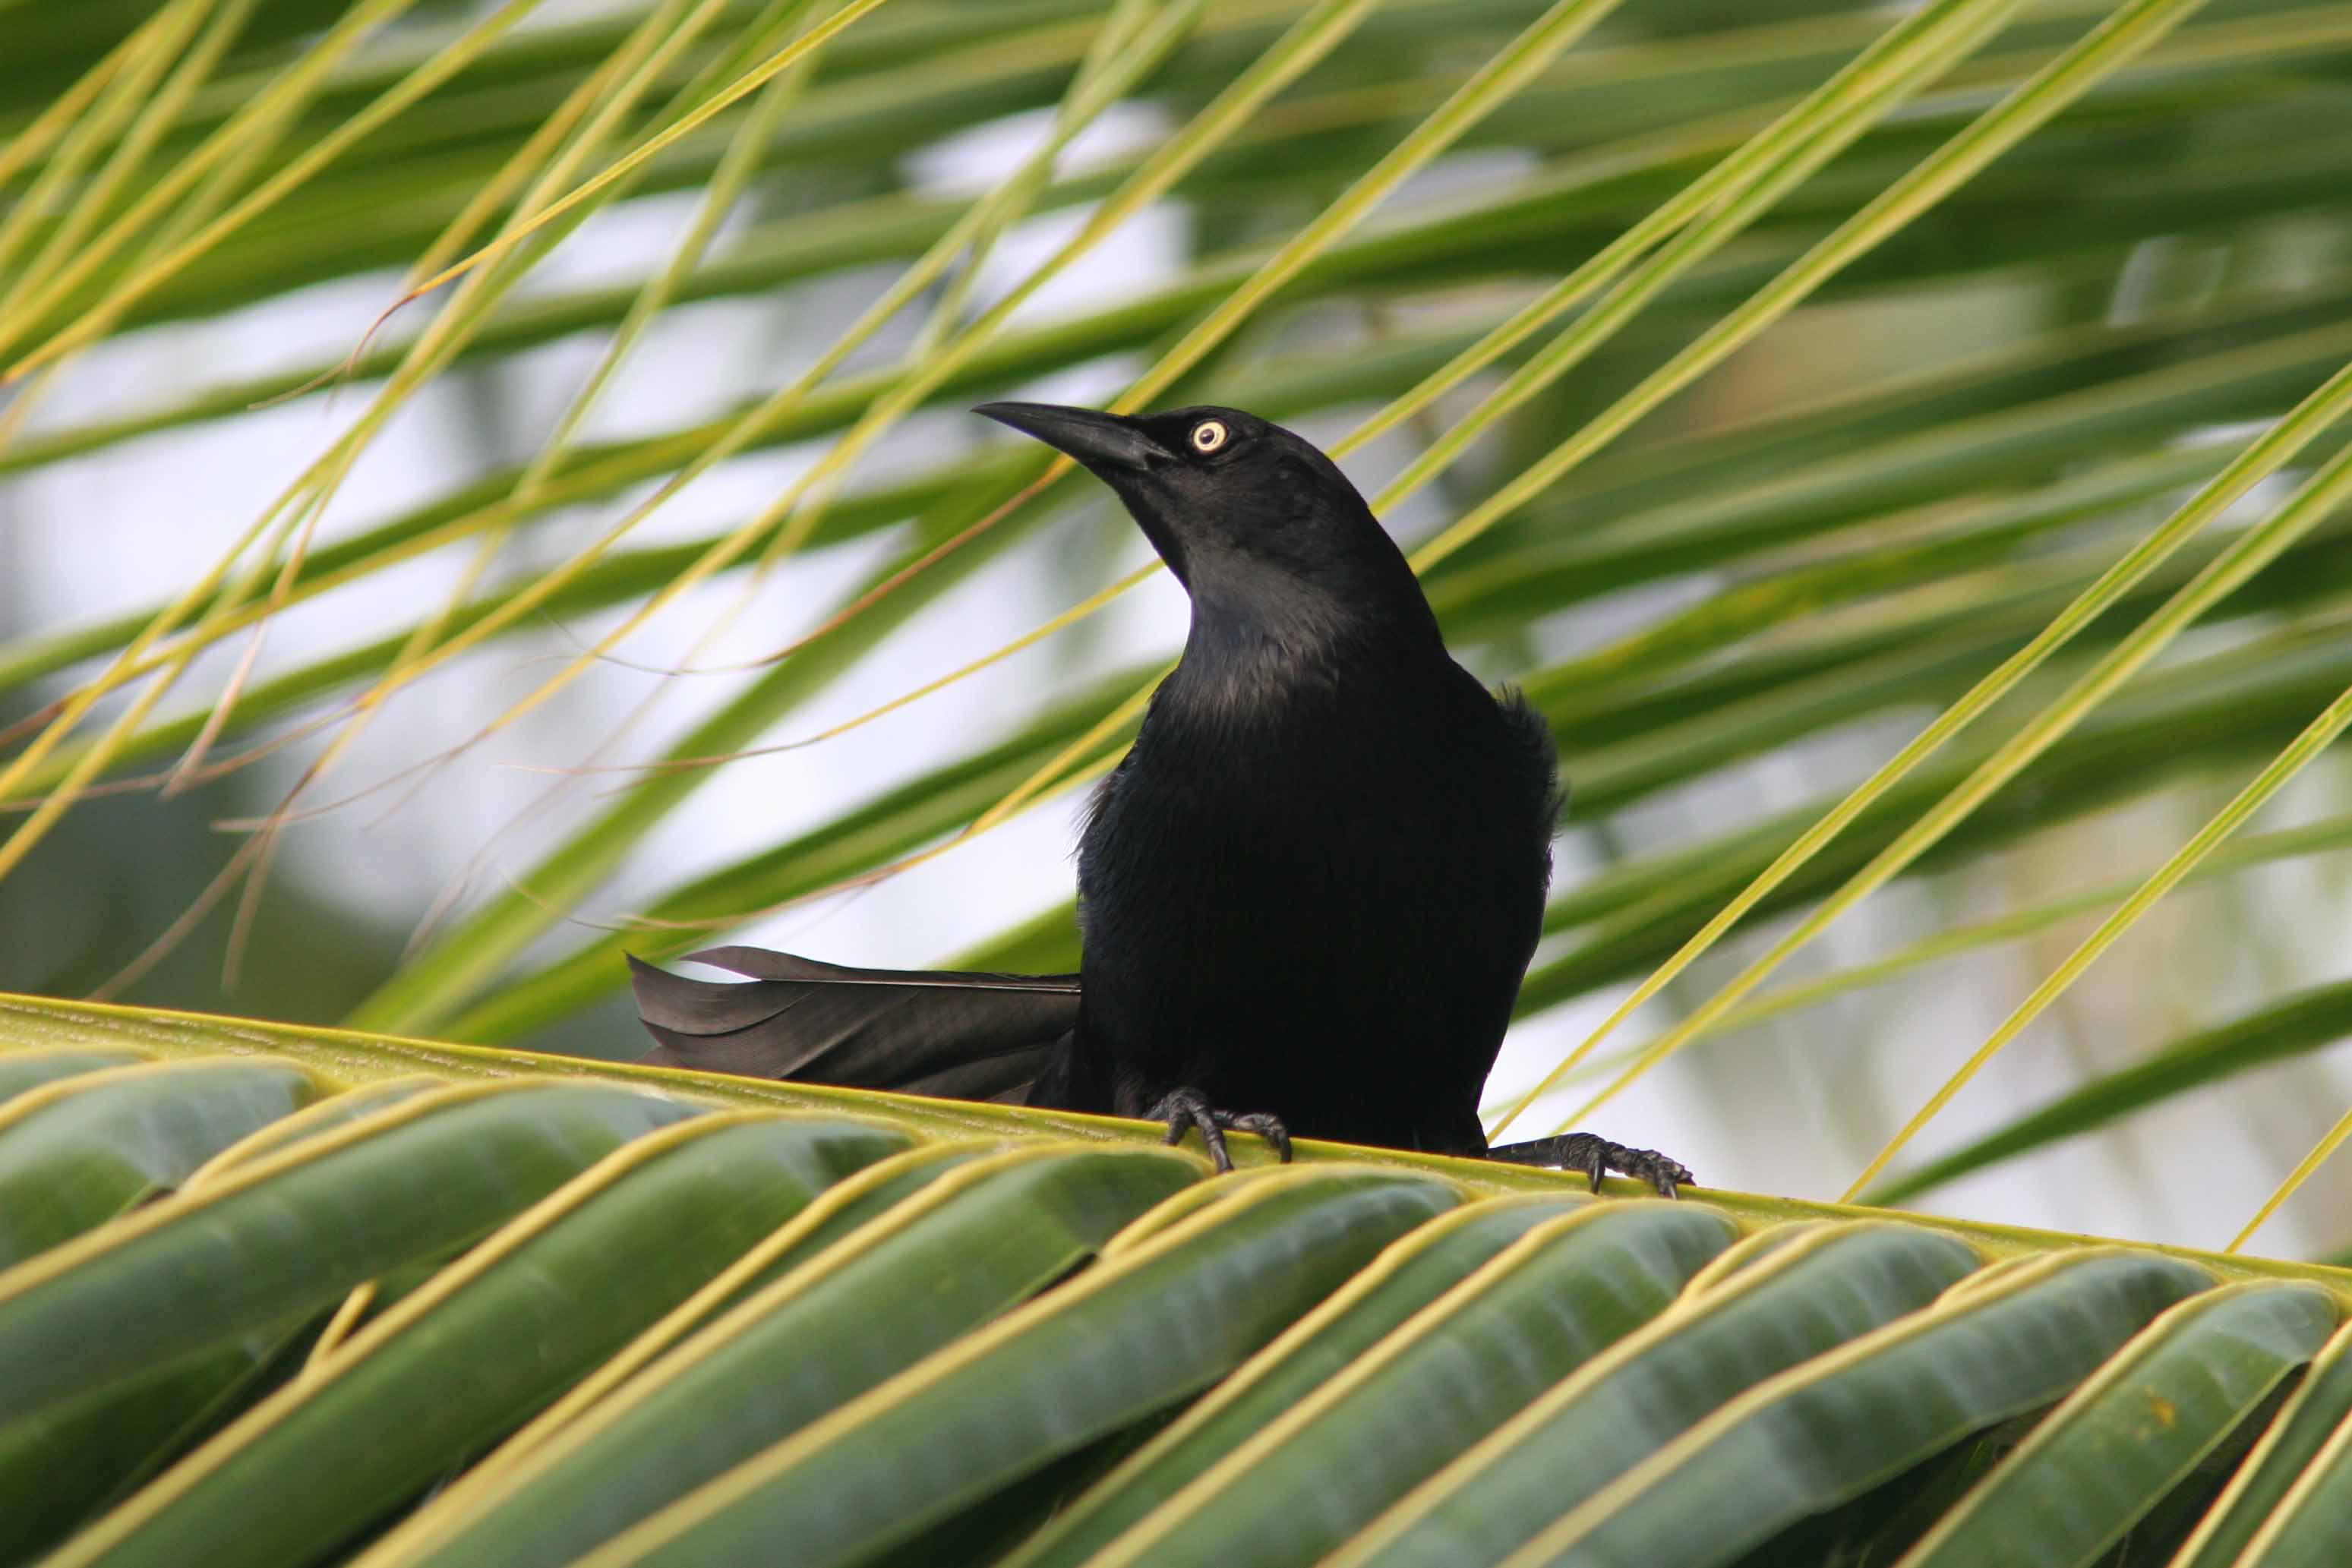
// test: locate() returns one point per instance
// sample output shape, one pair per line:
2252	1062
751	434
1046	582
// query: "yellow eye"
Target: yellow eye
1208	435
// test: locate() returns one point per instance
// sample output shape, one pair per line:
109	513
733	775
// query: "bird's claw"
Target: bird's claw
1593	1154
1186	1108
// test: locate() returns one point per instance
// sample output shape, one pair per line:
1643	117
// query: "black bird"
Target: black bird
1308	893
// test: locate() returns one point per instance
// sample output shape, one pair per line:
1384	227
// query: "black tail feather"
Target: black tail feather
965	1036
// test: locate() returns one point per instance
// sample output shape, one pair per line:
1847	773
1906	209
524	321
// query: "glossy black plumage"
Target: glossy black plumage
966	1036
1309	892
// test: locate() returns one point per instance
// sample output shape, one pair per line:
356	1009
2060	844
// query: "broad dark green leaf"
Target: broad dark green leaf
1803	1297
297	1231
57	1470
2100	1462
79	1149
322	1117
961	1250
1306	1479
1149	1329
2314	1419
32	1069
1830	1428
1400	1283
486	1341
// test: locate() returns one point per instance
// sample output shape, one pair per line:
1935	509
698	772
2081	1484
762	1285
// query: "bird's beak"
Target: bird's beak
1100	441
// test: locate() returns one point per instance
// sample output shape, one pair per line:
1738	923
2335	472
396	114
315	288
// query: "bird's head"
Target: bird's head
1255	523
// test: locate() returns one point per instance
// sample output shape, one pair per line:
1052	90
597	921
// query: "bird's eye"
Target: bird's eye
1208	435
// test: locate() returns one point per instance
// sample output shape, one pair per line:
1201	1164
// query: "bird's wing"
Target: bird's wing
919	1032
1539	762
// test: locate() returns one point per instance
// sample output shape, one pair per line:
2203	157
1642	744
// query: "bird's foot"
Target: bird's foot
1184	1109
1593	1154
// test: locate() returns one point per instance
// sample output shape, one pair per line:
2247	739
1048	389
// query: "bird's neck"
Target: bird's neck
1259	647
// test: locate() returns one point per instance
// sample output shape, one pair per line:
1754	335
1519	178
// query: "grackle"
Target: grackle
1308	893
